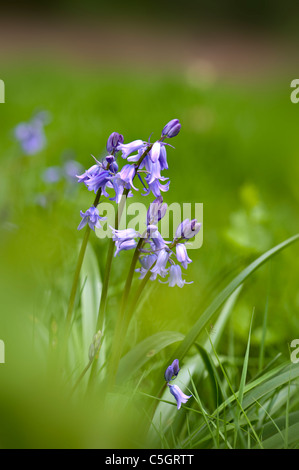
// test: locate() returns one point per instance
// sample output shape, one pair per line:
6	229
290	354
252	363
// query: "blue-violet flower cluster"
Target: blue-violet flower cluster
144	159
157	256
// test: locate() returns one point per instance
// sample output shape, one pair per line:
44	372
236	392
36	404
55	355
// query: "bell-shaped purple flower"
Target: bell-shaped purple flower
146	264
52	174
127	174
175	276
70	169
187	229
31	137
172	370
178	395
182	256
163	158
127	149
156	186
98	180
124	239
91	217
156	211
155	152
160	266
172	128
111	164
113	141
176	367
169	374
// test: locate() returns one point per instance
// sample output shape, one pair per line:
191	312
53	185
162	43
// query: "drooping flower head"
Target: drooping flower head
91	217
124	239
187	229
156	211
178	395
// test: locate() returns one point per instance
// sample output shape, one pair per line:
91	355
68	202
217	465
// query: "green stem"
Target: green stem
76	278
119	334
78	270
104	294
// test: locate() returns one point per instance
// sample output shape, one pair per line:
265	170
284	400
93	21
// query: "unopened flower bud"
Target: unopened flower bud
113	141
168	374
172	128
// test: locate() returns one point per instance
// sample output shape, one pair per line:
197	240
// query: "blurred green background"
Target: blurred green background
237	153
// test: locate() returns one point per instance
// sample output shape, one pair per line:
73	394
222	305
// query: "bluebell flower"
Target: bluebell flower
156	211
31	136
146	264
178	395
127	149
111	164
176	367
71	168
156	186
172	128
182	256
163	158
169	374
113	141
91	217
187	229
160	266
52	174
95	177
175	276
172	370
123	179
124	239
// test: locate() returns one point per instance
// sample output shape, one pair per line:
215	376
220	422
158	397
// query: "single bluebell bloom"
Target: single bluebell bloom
126	174
187	229
169	374
52	174
156	211
146	264
178	395
127	149
163	158
91	217
175	366
175	276
113	141
160	266
71	168
156	186
172	370
124	239
31	136
172	128
182	256
111	164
